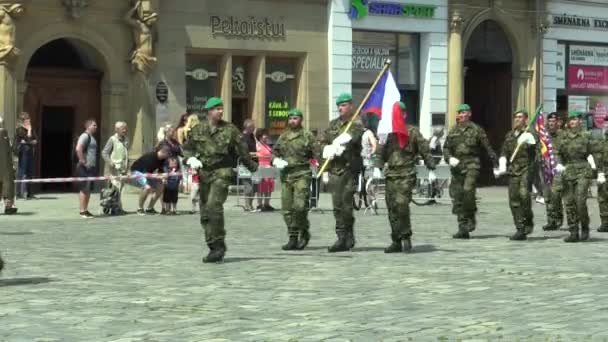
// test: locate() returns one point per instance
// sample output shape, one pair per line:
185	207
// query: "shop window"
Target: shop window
241	84
281	89
202	81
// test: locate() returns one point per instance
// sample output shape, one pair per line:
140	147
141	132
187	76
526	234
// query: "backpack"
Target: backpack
85	147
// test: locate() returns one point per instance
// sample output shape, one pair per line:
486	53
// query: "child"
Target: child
171	187
194	195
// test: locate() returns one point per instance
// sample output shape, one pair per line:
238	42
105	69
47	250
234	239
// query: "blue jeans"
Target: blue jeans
25	170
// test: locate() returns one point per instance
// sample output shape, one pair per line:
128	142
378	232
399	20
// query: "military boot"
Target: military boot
216	252
304	238
395	246
292	244
603	228
472	224
520	235
573	235
528	230
407	245
340	244
462	234
350	238
584	233
550	226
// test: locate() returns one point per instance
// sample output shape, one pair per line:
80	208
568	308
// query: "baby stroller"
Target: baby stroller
110	200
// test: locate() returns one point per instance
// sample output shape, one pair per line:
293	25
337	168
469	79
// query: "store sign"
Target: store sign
576	21
589	78
277	112
560	67
362	8
279	76
250	27
589	55
162	92
369	57
200	74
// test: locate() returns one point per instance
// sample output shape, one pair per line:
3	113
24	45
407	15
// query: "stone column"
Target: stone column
9	53
257	90
226	85
455	68
525	94
8	97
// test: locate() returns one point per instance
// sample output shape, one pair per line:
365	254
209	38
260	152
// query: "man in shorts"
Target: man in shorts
146	164
86	151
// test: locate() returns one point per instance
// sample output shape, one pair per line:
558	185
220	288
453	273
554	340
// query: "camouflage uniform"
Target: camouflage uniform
553	194
343	172
601	158
400	174
521	176
295	146
7	172
572	149
465	142
216	148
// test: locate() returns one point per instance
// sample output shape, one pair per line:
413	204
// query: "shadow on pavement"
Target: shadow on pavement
24	281
16	233
238	259
543	238
23	213
489	236
368	249
594	239
429	249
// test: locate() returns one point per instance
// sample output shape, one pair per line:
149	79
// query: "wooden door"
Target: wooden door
61	93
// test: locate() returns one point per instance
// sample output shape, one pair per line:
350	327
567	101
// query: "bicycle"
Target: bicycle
428	192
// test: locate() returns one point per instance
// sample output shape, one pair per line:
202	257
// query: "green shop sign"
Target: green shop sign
276	116
361	8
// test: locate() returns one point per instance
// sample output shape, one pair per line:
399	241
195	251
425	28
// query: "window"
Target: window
201	81
281	88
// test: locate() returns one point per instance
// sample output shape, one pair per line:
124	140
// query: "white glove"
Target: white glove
329	152
591	162
194	163
497	173
560	168
526	138
432	176
502	165
601	178
279	163
453	162
377	174
342	139
339	150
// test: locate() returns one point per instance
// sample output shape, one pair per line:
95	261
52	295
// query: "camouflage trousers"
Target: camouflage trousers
213	192
520	201
463	186
7	185
398	198
342	189
295	193
602	201
575	198
553	201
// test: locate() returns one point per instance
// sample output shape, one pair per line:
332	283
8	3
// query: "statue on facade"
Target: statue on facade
8	14
75	7
142	21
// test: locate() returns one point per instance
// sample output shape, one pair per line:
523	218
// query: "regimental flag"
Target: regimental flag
546	149
384	102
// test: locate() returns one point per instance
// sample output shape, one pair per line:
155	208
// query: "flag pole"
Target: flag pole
387	64
538	110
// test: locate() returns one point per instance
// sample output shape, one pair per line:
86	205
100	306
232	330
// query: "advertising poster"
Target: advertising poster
276	118
599	110
587	78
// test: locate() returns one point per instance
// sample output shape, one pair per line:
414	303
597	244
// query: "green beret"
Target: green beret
523	111
295	112
574	114
214	102
344	97
402	105
463	108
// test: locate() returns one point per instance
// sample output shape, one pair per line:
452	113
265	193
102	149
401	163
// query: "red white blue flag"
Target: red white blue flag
546	148
384	102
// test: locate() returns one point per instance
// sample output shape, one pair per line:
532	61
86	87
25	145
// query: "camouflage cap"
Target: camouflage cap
214	102
574	114
463	108
344	97
295	112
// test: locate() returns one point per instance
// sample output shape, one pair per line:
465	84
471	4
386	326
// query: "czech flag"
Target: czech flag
384	102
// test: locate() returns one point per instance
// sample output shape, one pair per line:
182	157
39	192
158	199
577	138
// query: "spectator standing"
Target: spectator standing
249	140
116	155
171	191
169	139
149	163
86	151
25	145
180	131
369	143
7	173
266	185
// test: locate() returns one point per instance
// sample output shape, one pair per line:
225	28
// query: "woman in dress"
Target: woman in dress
266	185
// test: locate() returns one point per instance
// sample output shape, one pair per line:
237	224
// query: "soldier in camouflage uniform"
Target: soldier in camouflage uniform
553	190
572	153
462	150
521	173
210	148
400	155
292	154
343	149
602	187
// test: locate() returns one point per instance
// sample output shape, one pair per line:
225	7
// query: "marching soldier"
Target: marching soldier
344	151
574	151
553	190
292	154
602	187
400	156
211	147
462	150
521	173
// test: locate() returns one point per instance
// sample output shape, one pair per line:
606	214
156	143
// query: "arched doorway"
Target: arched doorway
488	63
63	91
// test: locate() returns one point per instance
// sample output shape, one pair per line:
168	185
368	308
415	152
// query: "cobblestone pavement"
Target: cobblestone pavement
139	278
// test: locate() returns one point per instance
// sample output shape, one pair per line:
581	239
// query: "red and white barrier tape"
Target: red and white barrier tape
100	178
